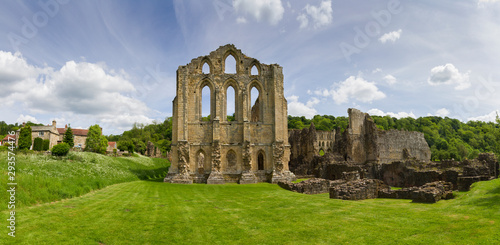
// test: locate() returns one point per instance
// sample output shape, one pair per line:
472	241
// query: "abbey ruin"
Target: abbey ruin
363	161
252	148
254	145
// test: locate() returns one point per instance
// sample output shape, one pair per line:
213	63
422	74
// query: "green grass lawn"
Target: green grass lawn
149	212
43	178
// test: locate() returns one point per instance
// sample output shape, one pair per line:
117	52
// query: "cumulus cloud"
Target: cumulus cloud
390	79
490	117
296	108
355	88
13	70
377	112
391	36
26	118
443	112
270	11
320	15
448	74
78	88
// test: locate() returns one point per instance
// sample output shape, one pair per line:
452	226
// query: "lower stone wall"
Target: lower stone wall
358	189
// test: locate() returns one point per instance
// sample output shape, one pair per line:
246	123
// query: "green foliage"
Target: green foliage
25	138
96	142
69	138
60	149
324	123
38	144
126	145
136	139
45	145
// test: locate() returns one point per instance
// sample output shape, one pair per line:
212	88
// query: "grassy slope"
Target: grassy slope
146	212
42	178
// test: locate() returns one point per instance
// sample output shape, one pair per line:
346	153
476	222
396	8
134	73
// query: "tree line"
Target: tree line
136	139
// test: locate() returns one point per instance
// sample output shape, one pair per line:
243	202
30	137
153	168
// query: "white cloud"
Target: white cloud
321	15
491	117
377	112
26	118
353	88
270	11
443	112
448	74
304	21
390	79
241	20
377	70
78	88
296	108
391	36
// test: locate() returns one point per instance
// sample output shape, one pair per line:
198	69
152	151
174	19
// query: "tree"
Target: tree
38	144
69	138
25	138
95	141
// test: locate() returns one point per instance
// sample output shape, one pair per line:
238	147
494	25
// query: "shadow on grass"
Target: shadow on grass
151	174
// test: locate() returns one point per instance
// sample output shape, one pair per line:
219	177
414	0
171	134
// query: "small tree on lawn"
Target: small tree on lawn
95	141
38	144
68	137
25	138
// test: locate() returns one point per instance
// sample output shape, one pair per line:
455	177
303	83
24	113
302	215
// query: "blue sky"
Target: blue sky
113	63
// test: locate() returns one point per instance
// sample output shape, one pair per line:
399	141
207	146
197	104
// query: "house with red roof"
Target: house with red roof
55	135
8	138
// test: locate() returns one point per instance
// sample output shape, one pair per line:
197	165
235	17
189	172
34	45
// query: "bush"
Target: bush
60	149
45	145
38	144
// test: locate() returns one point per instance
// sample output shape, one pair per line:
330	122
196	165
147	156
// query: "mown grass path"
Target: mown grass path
146	212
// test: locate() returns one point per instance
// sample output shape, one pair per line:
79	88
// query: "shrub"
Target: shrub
38	144
60	149
45	145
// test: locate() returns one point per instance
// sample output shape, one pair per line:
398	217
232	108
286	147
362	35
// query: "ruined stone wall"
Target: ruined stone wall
305	146
396	145
253	147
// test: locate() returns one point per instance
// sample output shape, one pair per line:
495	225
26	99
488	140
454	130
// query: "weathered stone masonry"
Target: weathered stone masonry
252	148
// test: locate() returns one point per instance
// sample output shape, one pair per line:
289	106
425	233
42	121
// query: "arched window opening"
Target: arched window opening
230	104
254	71
255	102
260	161
205	69
230	65
206	98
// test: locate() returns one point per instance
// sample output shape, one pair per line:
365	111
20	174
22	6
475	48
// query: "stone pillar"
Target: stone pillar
215	175
183	176
247	175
